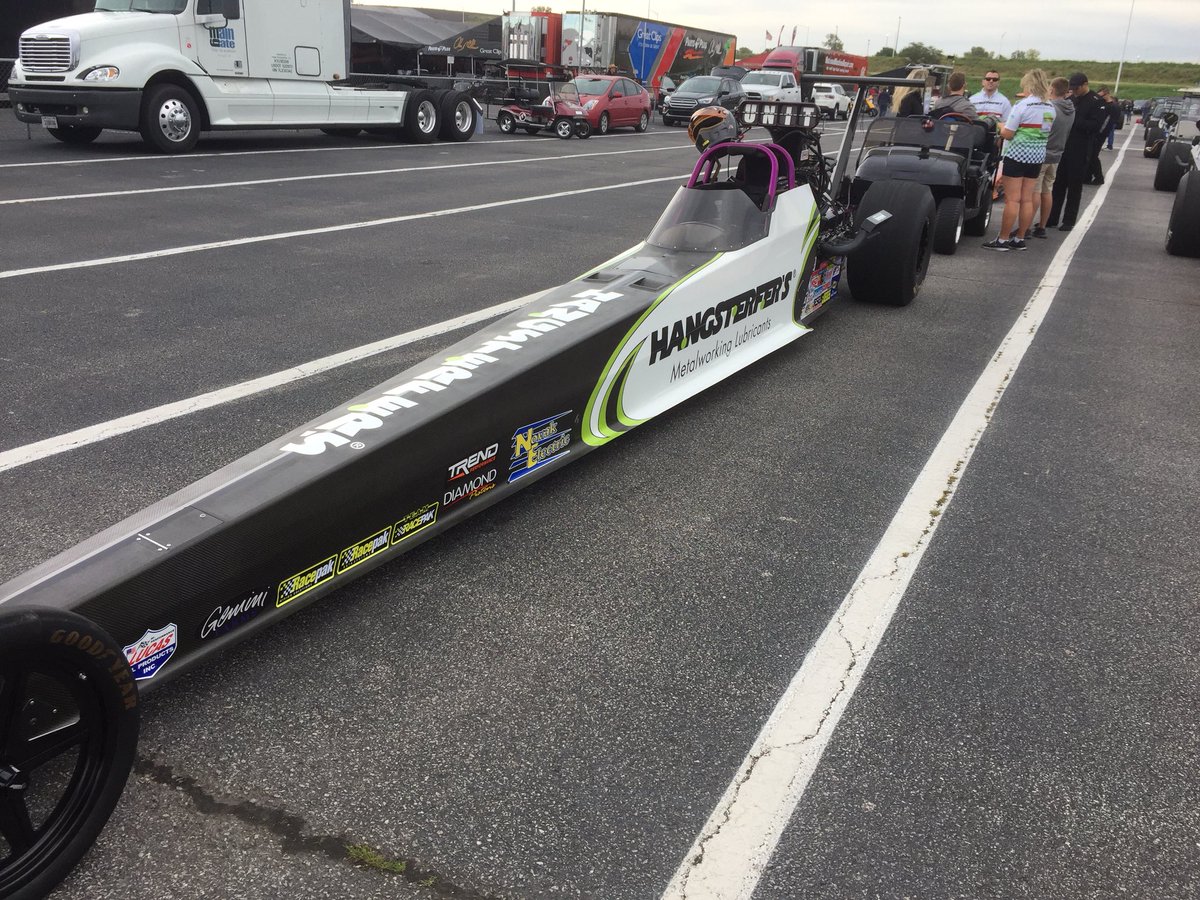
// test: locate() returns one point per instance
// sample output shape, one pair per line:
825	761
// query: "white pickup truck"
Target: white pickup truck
771	84
170	69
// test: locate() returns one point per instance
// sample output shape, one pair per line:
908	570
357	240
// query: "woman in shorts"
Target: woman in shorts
1025	134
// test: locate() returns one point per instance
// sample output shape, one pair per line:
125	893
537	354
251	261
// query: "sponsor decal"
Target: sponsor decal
417	520
149	653
822	286
710	322
223	38
303	582
480	459
224	619
475	486
341	431
539	444
364	550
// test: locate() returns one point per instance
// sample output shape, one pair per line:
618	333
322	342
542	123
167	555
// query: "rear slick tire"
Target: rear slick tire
69	718
1173	164
1183	229
890	268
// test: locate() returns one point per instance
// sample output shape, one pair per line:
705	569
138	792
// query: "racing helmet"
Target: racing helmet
711	125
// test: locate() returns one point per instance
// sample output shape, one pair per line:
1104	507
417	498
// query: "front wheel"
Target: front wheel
583	129
170	119
75	134
890	268
977	225
948	225
604	124
564	128
507	123
1183	229
643	121
68	736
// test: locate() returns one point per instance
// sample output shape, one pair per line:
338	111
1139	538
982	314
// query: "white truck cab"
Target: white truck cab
170	69
771	84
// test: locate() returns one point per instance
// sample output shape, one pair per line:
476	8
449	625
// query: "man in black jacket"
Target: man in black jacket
1091	116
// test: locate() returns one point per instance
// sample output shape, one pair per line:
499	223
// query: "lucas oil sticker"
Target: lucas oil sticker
152	651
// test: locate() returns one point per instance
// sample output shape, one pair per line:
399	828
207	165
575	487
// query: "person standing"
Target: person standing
1026	133
989	101
1090	116
884	101
910	101
1063	119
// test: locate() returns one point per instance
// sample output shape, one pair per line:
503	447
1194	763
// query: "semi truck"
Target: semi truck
171	69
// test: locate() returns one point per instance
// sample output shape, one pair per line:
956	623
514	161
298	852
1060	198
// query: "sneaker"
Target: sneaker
1017	245
1028	233
1038	232
1065	227
997	244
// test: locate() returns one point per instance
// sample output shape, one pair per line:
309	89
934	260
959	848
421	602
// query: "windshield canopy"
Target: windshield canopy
565	90
173	7
710	218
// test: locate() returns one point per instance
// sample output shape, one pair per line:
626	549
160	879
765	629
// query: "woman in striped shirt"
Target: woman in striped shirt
1025	133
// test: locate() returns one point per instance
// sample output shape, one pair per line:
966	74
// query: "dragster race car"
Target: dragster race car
746	254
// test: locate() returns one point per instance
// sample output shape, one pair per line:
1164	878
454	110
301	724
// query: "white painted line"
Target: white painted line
328	175
728	858
158	157
350	226
19	456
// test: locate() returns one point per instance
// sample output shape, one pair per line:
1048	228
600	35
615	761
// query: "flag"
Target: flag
780	40
794	27
769	38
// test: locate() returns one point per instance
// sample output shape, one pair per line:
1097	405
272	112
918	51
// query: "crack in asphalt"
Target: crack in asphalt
291	830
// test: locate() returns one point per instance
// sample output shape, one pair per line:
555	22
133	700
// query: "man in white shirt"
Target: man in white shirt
989	101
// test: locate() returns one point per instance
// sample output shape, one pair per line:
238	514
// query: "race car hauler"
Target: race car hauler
170	69
815	61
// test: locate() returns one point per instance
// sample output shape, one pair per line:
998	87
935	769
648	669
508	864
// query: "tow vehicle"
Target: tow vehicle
748	252
171	69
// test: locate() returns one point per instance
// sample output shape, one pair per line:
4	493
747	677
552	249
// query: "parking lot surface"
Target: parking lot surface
552	699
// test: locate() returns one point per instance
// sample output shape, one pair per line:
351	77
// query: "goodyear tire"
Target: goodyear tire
68	736
890	268
977	225
459	117
170	119
507	123
1183	229
421	119
948	225
1173	163
75	134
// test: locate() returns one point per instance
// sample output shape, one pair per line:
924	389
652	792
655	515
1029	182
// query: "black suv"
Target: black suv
698	91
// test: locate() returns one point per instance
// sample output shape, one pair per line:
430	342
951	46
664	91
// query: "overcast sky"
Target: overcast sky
1073	29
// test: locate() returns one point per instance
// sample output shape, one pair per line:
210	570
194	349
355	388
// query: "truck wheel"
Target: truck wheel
564	128
507	123
170	119
75	134
342	132
1183	229
1175	160
421	117
890	268
68	736
977	225
948	225
458	117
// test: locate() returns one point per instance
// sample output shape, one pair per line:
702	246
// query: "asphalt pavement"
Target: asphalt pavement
551	699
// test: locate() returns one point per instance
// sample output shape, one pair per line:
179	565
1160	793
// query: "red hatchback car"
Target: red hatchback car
612	101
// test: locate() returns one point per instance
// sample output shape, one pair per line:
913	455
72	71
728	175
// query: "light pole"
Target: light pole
1117	86
896	47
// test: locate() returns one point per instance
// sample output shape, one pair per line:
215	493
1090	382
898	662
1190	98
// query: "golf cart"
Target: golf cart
535	106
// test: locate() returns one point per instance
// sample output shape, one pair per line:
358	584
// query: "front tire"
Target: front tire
421	119
75	134
170	120
564	128
1183	229
583	129
890	268
604	124
68	735
507	123
1173	164
948	225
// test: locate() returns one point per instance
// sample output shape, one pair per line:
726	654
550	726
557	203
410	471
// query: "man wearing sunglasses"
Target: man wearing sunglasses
989	101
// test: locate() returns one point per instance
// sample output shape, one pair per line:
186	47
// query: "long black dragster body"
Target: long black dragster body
733	271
